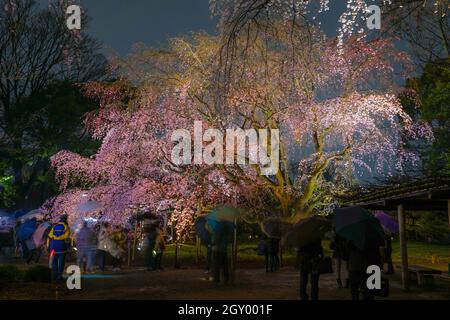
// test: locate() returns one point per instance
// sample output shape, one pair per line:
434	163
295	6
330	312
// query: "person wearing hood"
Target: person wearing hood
58	246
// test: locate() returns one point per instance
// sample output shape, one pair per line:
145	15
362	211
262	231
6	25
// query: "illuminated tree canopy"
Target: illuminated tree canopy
333	100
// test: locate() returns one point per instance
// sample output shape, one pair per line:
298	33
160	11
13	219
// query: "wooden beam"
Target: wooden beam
408	204
403	245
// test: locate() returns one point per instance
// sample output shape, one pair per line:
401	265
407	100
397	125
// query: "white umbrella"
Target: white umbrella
88	207
36	213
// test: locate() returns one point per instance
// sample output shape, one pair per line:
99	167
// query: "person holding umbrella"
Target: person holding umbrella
365	237
272	260
220	239
359	260
307	235
205	237
390	227
340	257
309	257
220	222
86	241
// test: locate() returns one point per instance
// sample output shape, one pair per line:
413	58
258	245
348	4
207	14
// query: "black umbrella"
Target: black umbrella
274	227
307	231
358	226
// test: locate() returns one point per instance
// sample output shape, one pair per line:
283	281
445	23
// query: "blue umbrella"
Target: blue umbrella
226	214
20	212
26	230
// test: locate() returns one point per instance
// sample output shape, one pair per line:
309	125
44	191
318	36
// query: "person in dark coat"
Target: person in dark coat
159	248
309	257
263	250
208	257
207	242
359	260
151	234
340	257
272	250
220	240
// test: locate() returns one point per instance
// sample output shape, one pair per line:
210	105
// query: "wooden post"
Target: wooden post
134	241
234	252
403	245
197	247
280	249
448	209
235	243
129	252
176	264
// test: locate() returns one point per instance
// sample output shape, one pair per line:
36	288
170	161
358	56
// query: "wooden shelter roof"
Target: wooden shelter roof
431	194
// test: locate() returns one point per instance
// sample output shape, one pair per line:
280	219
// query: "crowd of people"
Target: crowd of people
350	266
93	245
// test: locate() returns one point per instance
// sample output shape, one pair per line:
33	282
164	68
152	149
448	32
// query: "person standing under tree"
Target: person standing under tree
359	260
104	244
151	236
86	242
220	240
272	260
160	247
309	257
58	246
340	257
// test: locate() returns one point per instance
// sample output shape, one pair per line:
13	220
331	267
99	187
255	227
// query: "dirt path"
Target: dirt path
250	284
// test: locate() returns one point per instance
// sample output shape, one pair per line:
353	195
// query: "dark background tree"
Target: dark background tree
423	24
41	107
431	103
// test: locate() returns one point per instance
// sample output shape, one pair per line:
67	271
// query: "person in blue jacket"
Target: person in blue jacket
58	246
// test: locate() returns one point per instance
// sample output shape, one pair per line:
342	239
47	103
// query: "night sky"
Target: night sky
121	23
